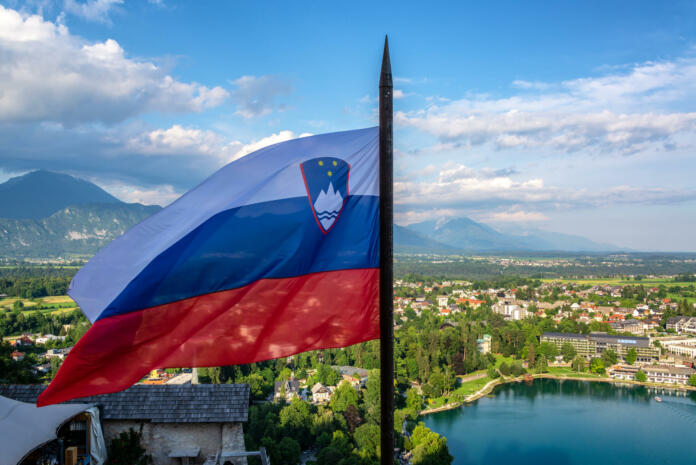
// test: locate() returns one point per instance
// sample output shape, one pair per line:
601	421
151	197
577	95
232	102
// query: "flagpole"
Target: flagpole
386	232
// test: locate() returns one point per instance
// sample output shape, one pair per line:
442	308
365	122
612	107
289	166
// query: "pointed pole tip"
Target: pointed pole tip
386	78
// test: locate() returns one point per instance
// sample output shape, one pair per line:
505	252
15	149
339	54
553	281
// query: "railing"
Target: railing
229	454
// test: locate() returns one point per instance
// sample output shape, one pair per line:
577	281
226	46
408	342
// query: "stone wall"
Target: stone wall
159	439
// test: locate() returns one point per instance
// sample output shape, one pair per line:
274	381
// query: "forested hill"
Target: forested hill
74	230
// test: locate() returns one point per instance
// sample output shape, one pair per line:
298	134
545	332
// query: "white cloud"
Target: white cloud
161	195
178	140
256	95
461	188
92	10
281	136
621	113
513	216
47	74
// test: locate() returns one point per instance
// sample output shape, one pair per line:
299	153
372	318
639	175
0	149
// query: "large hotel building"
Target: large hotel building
594	344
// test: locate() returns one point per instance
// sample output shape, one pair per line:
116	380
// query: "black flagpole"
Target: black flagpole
386	233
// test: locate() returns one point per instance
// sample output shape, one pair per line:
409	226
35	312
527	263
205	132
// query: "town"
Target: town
456	340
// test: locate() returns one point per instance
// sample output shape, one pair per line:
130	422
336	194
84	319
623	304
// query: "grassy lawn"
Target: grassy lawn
471	387
464	389
566	371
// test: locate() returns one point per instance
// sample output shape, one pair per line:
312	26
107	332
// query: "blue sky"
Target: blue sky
571	117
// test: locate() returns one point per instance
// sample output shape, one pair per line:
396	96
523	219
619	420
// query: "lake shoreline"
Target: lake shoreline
488	388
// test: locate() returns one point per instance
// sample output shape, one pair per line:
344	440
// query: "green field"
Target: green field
653	282
51	304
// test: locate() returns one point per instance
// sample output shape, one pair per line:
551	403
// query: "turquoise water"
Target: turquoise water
571	422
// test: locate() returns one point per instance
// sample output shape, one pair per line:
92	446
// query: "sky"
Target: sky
573	117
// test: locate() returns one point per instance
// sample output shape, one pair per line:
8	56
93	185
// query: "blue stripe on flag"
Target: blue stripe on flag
277	239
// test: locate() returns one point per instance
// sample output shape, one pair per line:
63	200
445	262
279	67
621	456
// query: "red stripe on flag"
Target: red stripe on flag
267	319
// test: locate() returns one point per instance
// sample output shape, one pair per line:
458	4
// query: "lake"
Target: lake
571	422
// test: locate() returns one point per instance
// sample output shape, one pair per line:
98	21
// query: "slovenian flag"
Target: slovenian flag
276	253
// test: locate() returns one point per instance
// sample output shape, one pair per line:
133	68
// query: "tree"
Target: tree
578	364
414	401
505	369
631	356
367	439
568	352
692	380
437	381
344	396
372	397
352	417
289	450
296	420
548	350
542	365
531	355
641	376
327	375
597	366
428	447
517	369
609	357
284	375
492	372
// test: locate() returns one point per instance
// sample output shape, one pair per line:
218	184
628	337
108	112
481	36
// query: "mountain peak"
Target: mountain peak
466	234
40	193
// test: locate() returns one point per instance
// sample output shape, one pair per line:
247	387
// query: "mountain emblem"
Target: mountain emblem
326	181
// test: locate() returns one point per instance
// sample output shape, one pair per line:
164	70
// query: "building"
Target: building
49	337
286	389
442	300
320	393
654	373
60	353
473	303
204	418
685	346
682	324
668	375
484	344
511	311
594	345
628	326
626	372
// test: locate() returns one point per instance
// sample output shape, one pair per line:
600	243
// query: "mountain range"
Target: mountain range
46	214
467	235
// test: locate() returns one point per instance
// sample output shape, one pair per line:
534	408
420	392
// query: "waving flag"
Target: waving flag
277	253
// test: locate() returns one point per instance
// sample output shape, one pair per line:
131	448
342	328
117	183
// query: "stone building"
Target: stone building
203	417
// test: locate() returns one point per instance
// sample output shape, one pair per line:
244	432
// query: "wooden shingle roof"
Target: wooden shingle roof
165	403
